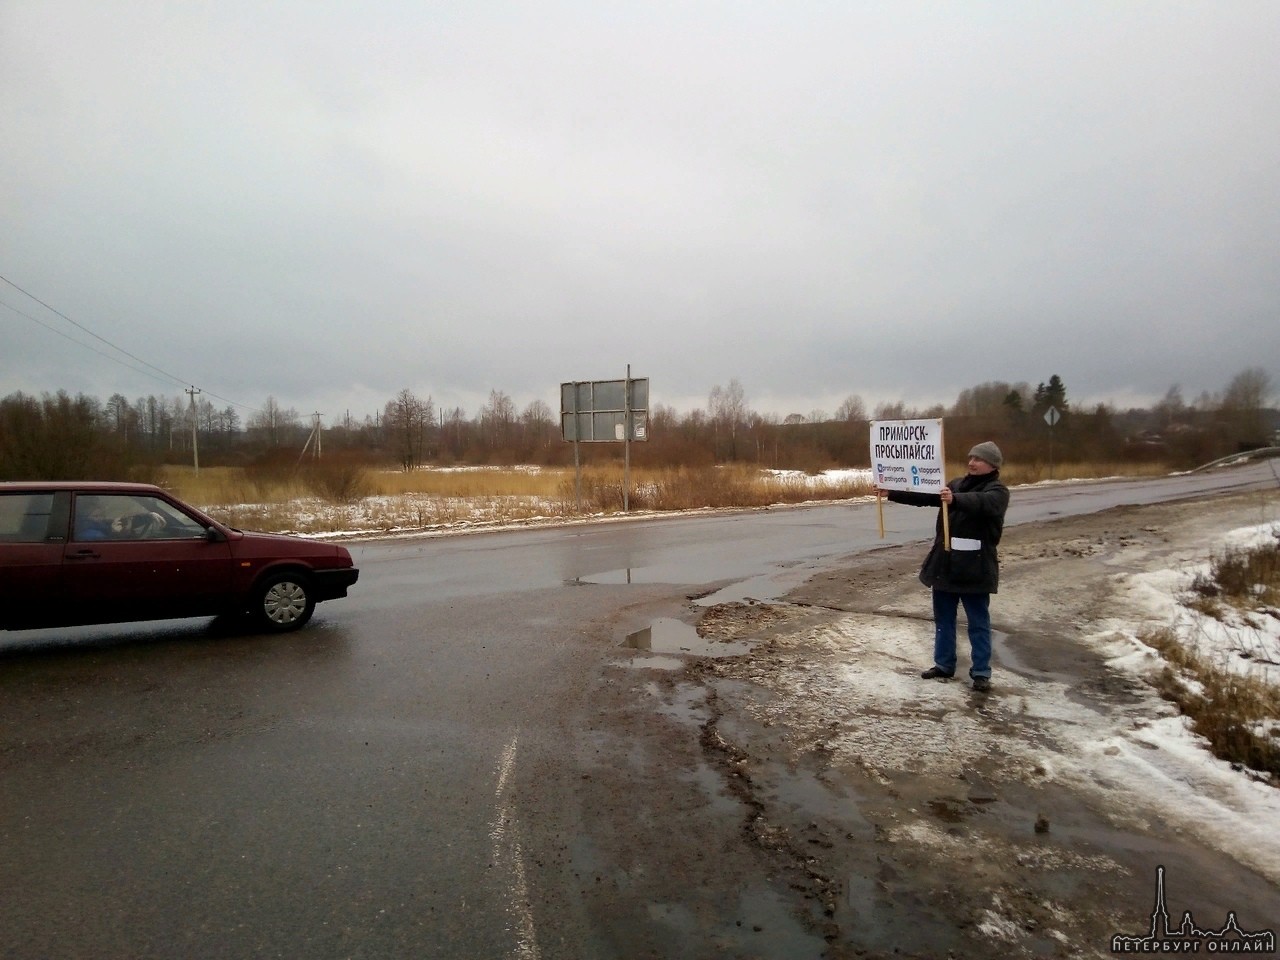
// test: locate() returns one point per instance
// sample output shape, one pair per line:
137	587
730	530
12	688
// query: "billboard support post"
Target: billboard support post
626	442
577	462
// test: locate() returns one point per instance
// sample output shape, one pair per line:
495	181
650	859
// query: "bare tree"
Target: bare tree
728	406
406	422
208	415
454	432
851	409
892	411
1169	409
1243	401
119	414
272	424
54	438
538	425
151	414
496	420
1248	390
229	421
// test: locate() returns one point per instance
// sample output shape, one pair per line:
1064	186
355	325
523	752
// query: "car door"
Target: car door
33	532
141	557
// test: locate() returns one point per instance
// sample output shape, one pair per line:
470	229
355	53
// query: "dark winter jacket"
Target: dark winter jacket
976	513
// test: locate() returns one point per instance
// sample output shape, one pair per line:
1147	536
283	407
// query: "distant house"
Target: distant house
1147	440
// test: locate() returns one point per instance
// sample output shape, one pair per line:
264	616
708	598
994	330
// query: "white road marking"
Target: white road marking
508	857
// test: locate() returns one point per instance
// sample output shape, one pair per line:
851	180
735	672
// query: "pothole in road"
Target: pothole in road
668	636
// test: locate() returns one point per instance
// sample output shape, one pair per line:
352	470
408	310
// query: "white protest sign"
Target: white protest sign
907	455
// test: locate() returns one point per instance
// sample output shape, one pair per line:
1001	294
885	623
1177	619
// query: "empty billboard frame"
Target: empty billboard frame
598	411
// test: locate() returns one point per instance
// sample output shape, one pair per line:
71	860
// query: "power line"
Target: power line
181	381
80	343
81	326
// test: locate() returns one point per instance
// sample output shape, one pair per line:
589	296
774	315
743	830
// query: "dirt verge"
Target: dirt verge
917	818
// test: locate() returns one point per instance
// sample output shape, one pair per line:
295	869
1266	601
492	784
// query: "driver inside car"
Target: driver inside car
137	525
92	522
115	518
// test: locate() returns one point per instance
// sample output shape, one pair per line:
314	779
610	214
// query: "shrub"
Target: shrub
337	479
1238	713
1246	576
270	472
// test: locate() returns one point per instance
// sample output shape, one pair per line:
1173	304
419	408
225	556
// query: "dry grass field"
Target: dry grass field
341	497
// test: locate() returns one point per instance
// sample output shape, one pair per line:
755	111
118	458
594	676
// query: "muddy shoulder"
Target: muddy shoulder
904	817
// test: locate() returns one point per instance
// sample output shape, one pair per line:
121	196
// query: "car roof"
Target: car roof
84	486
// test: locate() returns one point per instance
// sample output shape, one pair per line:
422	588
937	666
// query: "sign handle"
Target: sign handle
942	457
880	510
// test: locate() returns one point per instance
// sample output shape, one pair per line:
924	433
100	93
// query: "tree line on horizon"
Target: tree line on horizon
59	436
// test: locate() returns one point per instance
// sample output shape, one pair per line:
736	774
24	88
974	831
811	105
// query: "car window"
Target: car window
177	525
24	517
131	517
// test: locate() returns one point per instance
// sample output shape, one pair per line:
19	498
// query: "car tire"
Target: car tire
284	602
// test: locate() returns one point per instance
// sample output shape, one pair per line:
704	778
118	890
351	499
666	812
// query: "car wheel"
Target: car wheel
284	602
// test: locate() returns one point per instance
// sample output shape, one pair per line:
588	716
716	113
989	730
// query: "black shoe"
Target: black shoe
982	684
934	673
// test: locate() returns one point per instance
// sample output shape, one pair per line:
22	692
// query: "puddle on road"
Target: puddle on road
765	924
1003	655
769	586
654	662
668	636
764	586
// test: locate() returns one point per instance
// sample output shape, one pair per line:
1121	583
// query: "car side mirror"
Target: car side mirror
214	535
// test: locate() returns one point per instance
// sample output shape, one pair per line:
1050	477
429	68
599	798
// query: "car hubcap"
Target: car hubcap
285	602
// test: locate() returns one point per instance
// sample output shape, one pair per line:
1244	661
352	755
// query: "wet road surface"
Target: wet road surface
402	778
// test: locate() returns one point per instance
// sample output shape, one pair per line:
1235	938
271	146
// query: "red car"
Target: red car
83	553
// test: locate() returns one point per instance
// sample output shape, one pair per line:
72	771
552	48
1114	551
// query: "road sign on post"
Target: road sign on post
1051	417
605	411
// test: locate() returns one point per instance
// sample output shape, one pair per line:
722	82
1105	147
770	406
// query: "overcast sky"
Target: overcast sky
327	202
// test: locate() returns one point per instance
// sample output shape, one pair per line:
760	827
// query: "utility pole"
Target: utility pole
195	422
313	435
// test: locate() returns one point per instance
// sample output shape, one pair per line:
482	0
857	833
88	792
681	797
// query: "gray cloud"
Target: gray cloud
899	201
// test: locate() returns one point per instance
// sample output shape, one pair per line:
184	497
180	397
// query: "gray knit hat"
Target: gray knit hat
989	452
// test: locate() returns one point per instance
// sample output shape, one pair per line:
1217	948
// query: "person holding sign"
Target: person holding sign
963	566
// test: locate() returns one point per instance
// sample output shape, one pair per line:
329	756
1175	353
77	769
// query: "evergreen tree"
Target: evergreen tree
1053	394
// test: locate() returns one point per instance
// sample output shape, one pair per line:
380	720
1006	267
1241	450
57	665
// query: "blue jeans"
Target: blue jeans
977	610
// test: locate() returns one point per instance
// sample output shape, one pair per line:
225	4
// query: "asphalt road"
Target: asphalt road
399	779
